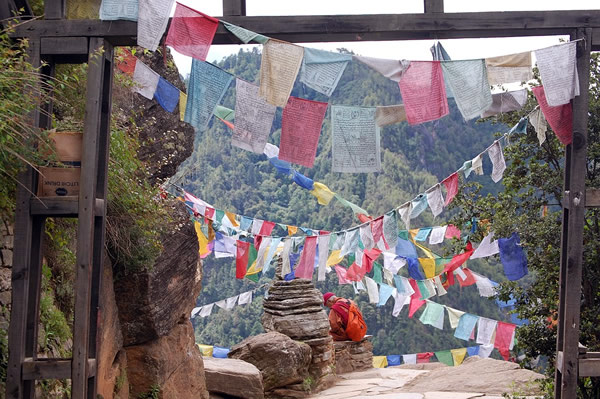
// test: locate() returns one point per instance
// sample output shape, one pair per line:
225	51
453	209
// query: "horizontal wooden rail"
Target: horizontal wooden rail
58	369
319	28
60	206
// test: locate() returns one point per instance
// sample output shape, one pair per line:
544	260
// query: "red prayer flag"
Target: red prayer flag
306	265
126	62
266	228
377	231
504	335
452	231
301	123
415	299
355	272
470	280
209	213
342	275
241	258
458	260
191	32
363	218
424	92
369	256
424	357
451	184
559	118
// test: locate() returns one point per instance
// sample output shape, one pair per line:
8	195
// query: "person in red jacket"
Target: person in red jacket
338	315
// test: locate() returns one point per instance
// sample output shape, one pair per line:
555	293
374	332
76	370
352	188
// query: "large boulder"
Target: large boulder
173	363
153	301
281	360
233	377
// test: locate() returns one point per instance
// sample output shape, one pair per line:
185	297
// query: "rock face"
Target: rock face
281	360
294	308
6	258
172	362
353	356
233	377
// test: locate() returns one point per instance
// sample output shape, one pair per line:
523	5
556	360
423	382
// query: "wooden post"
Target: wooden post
433	6
571	261
234	7
55	9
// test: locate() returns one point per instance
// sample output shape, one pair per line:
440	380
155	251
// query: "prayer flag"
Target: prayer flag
191	32
145	79
422	234
355	140
272	249
497	158
558	70
253	120
392	262
202	240
513	257
126	61
485	286
390	229
342	274
485	330
166	95
404	211
424	357
206	87
445	357
435	200
206	310
559	118
509	68
322	192
485	350
410	359
182	105
366	236
487	247
385	292
153	17
469	83
376	227
537	120
454	316
393	360
473	350
279	67
323	250
399	301
83	9
300	130
465	327
423	91
372	290
350	241
506	102
458	355
414	270
451	184
266	228
322	70
432	314
406	248
245	35
504	335
388	115
439	286
428	265
419	204
437	235
112	10
241	259
380	362
391	69
415	299
303	181
306	264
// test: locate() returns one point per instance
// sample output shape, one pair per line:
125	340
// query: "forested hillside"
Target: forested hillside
413	159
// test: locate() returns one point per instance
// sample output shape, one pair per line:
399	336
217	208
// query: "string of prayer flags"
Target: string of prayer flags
191	32
388	115
300	130
558	70
559	118
112	10
322	70
458	355
469	83
166	94
153	17
279	67
391	69
253	118
145	79
537	120
506	102
513	257
245	35
423	92
509	68
206	88
355	140
465	327
498	163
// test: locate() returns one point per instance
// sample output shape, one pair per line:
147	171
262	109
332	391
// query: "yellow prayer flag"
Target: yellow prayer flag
413	233
425	250
206	350
253	269
292	230
231	218
322	192
458	355
182	105
380	362
202	240
335	257
428	265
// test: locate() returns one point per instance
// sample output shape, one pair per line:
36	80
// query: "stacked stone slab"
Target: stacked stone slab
353	356
294	308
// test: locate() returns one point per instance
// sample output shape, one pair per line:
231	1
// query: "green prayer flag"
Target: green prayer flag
377	273
445	357
403	234
224	113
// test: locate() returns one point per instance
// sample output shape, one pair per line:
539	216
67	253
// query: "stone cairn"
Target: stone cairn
294	308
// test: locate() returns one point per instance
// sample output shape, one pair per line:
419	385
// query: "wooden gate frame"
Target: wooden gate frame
58	40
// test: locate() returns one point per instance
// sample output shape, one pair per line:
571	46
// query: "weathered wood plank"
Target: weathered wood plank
56	369
433	6
55	9
234	7
64	45
572	238
67	207
596	39
350	27
85	229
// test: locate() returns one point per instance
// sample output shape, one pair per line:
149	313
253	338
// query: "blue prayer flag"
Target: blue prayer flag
473	350
413	269
393	360
513	257
220	352
406	249
166	94
303	181
465	327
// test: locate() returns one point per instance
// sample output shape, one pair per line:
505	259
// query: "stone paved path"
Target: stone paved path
476	378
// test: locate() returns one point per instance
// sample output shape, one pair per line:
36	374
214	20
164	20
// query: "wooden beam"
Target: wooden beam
596	39
64	45
67	207
349	27
433	6
234	7
55	9
56	369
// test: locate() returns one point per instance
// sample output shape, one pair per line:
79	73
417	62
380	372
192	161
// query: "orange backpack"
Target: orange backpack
356	328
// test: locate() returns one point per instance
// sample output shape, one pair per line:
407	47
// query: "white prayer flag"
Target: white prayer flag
497	158
322	70
509	68
253	119
393	262
487	247
391	69
404	211
400	299
323	247
372	290
435	200
145	79
454	316
262	249
484	285
153	17
438	285
366	236
437	235
485	330
195	310
410	359
350	242
469	83
206	310
245	297
539	123
230	302
506	102
485	350
558	70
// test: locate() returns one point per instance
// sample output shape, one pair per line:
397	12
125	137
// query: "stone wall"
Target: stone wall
353	356
6	261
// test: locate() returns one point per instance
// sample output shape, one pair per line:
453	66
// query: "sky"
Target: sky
405	49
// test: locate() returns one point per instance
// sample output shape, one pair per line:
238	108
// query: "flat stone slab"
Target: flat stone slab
452	395
233	377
